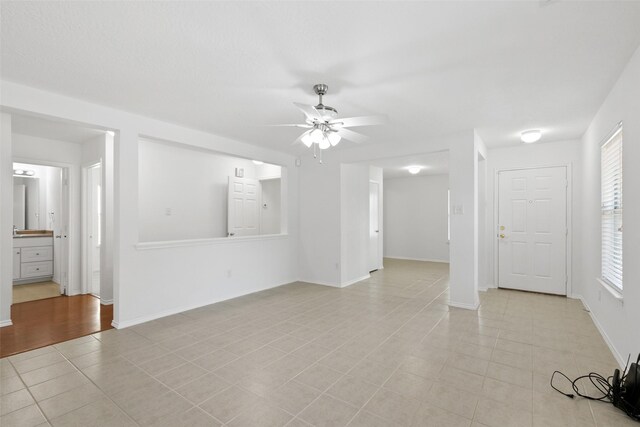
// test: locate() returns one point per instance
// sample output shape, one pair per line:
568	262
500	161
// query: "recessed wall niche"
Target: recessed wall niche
190	193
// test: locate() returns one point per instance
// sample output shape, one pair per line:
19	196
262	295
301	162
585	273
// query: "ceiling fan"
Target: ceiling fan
325	129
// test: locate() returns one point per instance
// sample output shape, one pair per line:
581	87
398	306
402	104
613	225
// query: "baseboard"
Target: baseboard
4	323
464	305
616	355
418	259
106	301
142	319
351	282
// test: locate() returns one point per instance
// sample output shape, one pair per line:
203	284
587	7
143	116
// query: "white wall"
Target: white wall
464	156
183	190
415	218
270	206
618	320
6	219
532	156
320	220
192	184
354	223
151	281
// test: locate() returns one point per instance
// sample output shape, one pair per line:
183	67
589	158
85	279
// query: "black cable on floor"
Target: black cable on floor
605	387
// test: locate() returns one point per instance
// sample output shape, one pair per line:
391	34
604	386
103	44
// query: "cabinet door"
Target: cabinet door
16	263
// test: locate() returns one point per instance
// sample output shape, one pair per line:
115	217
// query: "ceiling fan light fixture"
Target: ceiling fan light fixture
324	143
333	138
306	139
530	136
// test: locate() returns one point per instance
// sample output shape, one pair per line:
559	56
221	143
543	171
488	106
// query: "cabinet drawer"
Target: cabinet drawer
41	253
35	269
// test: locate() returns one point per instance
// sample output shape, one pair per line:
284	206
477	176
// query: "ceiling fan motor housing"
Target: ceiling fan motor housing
327	112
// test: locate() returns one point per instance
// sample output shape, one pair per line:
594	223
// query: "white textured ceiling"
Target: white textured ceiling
435	163
50	129
233	67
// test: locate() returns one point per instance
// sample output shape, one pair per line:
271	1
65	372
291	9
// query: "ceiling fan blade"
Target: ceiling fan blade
349	122
308	110
304	126
352	136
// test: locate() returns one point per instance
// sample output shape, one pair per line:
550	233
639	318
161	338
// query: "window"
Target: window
611	214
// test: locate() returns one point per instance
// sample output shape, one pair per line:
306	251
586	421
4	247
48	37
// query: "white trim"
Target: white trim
169	312
616	355
464	305
4	323
351	282
615	293
418	259
569	219
105	301
143	246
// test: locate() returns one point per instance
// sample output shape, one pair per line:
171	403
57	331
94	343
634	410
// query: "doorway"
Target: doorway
40	225
92	214
374	225
533	230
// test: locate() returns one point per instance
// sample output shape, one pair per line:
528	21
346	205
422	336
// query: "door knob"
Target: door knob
502	236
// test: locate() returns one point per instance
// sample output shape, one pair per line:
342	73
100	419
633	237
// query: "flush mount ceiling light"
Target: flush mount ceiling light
325	129
257	162
530	136
414	169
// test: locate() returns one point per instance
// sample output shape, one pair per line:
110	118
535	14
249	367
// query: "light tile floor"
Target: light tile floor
383	352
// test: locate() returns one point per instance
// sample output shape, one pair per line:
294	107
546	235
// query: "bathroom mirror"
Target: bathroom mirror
26	203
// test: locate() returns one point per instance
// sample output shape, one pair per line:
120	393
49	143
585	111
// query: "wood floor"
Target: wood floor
49	321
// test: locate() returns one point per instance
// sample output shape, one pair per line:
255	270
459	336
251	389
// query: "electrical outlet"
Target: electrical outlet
167	211
229	273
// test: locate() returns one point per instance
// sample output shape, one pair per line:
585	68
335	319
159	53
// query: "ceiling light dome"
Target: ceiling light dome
414	169
530	136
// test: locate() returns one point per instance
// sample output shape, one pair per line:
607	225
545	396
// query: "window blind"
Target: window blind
611	197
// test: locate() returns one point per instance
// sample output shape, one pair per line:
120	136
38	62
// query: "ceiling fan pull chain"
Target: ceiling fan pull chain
314	151
320	160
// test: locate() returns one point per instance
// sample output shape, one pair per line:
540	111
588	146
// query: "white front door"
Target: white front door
243	216
374	226
532	230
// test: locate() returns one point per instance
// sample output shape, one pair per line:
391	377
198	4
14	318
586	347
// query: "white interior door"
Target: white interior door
532	230
94	238
243	204
61	229
374	226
